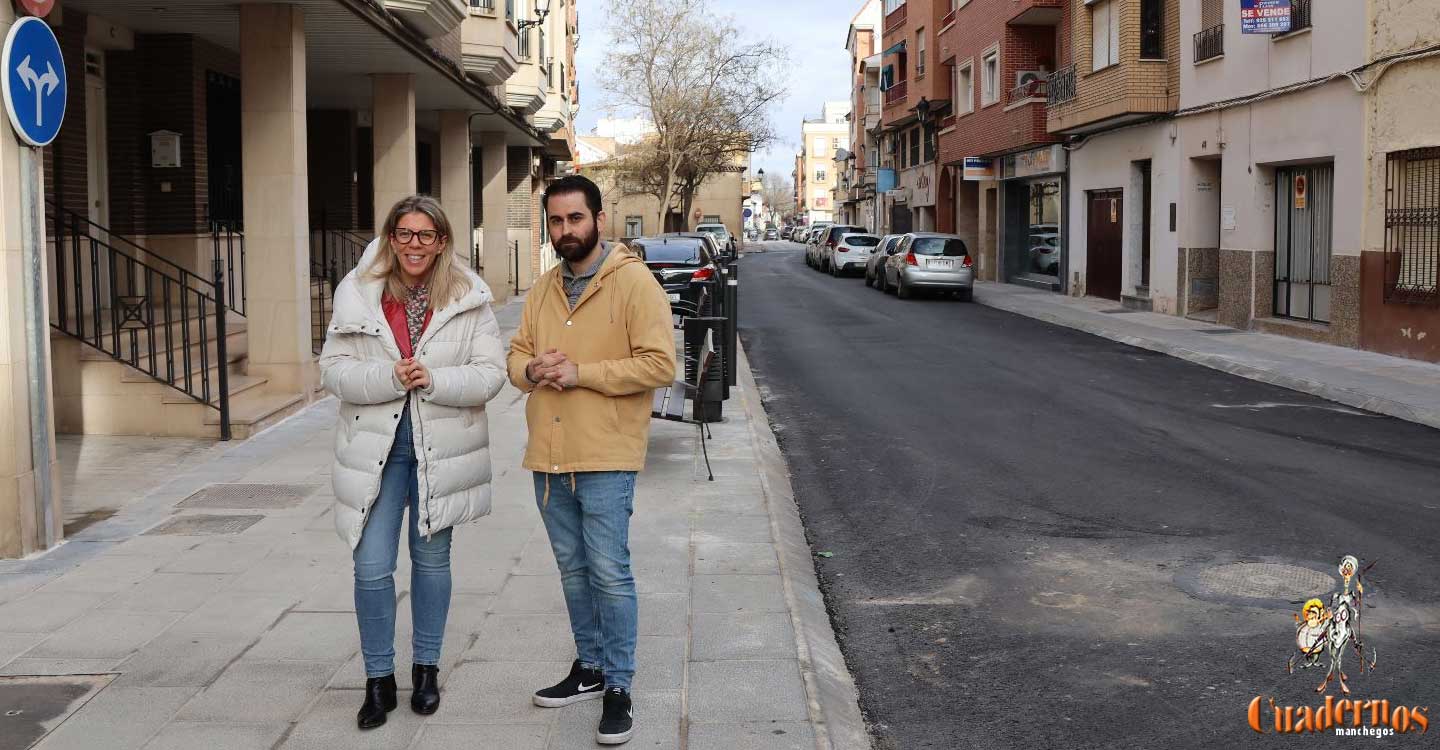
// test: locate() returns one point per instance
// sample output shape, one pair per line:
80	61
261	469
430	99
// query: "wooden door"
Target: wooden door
1104	244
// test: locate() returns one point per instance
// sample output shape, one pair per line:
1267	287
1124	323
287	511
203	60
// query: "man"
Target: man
594	341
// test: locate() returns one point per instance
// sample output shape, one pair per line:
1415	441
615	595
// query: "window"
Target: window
1412	229
929	143
892	5
990	78
820	144
714	219
1212	13
919	53
839	144
1104	34
634	226
1152	29
914	146
965	88
819	175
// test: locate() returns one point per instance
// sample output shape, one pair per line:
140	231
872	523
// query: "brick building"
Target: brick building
917	94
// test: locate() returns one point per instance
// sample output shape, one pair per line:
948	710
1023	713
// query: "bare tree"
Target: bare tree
707	90
779	193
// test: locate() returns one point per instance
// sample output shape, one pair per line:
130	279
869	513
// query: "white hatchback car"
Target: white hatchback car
850	253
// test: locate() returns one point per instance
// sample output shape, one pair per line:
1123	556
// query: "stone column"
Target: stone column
276	196
495	197
455	180
394	108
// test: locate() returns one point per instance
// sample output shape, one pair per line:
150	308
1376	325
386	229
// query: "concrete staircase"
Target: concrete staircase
96	394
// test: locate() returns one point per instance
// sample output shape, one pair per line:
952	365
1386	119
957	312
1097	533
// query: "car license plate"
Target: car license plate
942	263
674	297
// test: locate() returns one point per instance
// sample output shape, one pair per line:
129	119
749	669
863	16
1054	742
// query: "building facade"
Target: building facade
858	165
632	214
815	179
916	102
265	142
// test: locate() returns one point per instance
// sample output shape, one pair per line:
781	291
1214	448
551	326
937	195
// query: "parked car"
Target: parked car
875	267
851	253
828	239
717	250
772	234
1045	252
930	261
675	261
810	237
786	232
722	235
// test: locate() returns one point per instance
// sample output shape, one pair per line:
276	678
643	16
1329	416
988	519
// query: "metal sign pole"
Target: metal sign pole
37	341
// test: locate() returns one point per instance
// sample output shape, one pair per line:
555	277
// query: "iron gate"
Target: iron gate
1304	223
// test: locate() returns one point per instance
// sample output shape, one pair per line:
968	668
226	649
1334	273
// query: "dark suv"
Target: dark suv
676	261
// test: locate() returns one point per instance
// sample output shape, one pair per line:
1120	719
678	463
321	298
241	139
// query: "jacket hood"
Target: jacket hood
357	299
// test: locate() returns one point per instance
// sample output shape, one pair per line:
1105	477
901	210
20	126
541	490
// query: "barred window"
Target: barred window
1412	226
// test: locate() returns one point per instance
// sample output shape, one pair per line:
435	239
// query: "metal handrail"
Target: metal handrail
1210	43
1061	86
148	314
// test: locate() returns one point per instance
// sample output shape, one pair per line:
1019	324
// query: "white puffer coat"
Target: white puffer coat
463	352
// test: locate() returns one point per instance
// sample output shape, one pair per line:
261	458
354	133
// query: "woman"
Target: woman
413	353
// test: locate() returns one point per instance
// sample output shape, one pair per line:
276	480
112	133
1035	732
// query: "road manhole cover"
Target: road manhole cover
205	525
1273	581
249	496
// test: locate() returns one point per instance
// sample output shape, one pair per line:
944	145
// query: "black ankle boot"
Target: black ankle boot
379	700
426	679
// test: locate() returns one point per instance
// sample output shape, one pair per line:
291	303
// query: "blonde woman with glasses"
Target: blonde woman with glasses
413	353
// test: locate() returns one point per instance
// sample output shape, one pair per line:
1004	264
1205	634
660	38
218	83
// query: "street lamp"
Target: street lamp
542	10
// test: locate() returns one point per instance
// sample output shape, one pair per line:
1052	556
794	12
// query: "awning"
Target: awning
896	47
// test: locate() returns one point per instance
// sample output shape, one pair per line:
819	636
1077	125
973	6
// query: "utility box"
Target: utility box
165	149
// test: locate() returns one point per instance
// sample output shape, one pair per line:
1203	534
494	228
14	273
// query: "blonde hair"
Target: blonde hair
448	280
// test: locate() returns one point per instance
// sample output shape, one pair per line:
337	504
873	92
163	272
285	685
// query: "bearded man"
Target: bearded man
594	342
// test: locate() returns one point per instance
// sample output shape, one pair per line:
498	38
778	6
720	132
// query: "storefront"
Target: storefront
1032	225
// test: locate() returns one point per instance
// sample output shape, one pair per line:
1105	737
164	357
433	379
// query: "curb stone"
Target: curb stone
1340	395
833	700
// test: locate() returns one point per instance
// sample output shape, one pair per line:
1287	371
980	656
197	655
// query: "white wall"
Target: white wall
1105	163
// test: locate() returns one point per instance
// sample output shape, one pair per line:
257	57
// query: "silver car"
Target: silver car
929	261
811	239
850	253
875	267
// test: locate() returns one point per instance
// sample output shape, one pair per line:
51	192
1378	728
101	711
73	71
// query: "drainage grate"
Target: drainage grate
1120	311
249	496
1264	581
1222	331
204	525
32	706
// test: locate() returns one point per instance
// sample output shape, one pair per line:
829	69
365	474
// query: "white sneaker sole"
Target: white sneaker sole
614	739
561	702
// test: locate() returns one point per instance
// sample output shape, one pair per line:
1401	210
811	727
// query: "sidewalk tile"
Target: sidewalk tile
755	736
13	645
531	594
191	735
330	723
219	556
243	616
508	737
499	693
657	722
42	612
524	638
118	718
669	580
281	576
310	636
664	614
115	575
261	691
739	593
660	663
735	559
747	691
471	579
747	501
26	665
743	635
180	660
713	528
334	593
101	634
538	559
168	592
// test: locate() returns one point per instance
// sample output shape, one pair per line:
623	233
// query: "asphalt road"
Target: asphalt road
1031	529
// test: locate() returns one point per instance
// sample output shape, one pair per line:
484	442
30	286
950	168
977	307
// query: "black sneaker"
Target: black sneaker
581	685
617	724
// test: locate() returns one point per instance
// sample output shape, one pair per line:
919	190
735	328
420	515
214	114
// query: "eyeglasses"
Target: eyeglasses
426	236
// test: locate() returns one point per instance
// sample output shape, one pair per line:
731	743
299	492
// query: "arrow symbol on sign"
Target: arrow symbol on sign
42	85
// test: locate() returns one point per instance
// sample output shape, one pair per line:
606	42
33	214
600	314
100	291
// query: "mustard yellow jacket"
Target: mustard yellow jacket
621	336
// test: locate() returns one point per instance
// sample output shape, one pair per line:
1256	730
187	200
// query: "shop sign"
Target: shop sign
977	169
885	180
1264	16
1034	163
1301	190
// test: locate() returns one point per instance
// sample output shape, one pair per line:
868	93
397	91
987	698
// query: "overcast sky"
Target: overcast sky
813	30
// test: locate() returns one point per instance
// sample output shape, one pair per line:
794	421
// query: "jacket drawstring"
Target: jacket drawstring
545	503
574	487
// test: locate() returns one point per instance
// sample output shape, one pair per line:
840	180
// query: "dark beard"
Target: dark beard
572	249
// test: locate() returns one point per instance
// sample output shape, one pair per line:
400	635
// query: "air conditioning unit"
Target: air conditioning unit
1023	77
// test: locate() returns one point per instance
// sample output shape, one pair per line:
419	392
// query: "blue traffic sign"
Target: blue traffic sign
34	81
748	213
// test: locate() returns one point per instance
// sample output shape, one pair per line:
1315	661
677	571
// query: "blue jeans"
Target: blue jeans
587	516
375	566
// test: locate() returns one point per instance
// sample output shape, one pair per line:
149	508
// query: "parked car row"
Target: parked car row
907	264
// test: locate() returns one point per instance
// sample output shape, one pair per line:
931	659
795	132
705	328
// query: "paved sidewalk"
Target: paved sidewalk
1401	388
248	639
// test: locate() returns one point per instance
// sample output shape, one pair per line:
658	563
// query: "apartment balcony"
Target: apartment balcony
1037	13
1080	102
896	20
525	91
431	18
1210	43
1061	86
1030	92
488	44
553	115
898	93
